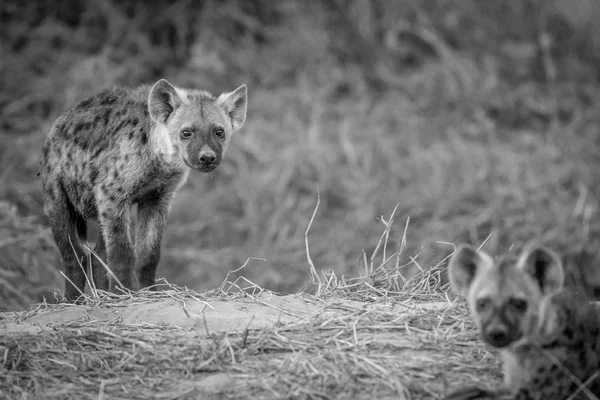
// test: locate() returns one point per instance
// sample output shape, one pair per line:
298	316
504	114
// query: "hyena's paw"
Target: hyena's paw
475	393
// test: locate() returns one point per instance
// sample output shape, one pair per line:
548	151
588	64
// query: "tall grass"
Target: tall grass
467	137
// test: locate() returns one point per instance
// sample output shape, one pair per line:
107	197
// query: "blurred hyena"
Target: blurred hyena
549	337
123	147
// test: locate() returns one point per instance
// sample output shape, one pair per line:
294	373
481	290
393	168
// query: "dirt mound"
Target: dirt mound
215	315
180	344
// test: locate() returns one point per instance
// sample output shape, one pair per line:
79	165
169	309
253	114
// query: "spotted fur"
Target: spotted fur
122	147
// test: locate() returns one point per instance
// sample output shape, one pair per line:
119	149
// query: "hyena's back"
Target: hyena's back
100	147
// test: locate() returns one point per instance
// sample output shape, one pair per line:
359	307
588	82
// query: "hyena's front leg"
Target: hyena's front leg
114	226
99	273
151	218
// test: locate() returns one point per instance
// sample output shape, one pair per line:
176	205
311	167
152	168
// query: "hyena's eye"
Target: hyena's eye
482	304
219	132
186	134
518	305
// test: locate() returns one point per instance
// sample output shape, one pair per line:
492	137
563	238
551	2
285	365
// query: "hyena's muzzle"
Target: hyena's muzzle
501	329
204	153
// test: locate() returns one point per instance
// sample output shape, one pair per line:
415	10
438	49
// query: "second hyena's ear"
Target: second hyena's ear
235	104
464	265
544	266
163	100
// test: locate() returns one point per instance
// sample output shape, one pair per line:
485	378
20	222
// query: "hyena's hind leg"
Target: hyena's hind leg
151	218
69	230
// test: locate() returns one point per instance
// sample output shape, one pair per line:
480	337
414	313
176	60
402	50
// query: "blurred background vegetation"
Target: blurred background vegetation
480	119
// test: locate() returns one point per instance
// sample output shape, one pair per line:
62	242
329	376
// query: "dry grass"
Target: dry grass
377	335
357	352
468	139
389	348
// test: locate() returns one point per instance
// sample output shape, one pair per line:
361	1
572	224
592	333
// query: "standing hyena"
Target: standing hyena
549	337
123	147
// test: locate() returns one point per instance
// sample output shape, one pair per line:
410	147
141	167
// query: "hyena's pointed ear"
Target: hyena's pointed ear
544	266
163	100
464	265
235	104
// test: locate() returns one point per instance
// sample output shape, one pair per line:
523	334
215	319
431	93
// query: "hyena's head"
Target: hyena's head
505	297
193	126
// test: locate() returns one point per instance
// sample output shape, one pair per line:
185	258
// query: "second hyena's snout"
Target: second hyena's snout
497	337
499	334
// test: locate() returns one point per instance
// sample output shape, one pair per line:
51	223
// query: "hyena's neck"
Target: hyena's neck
163	148
167	155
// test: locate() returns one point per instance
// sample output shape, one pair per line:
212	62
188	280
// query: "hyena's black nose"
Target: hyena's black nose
498	337
208	157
